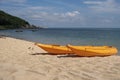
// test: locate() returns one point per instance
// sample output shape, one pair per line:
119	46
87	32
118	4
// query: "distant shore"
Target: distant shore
22	60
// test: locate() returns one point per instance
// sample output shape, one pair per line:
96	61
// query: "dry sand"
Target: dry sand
21	60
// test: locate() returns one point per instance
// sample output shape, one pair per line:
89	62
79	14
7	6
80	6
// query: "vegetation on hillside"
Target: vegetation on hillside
8	21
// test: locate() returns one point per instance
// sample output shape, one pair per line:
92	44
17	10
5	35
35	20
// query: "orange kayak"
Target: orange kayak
55	49
93	50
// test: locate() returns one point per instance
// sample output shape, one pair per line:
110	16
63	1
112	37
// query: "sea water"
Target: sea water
74	36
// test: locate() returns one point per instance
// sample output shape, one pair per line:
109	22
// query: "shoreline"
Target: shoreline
21	60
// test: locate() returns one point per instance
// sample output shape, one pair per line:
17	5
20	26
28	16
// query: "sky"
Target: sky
66	13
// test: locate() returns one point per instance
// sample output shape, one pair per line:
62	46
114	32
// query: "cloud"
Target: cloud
72	14
67	14
39	8
57	18
92	2
58	15
13	1
107	20
61	12
39	15
103	6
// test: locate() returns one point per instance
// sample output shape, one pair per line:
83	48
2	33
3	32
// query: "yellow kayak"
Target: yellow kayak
93	50
55	49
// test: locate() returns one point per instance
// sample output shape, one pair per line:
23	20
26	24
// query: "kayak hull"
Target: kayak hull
55	49
93	50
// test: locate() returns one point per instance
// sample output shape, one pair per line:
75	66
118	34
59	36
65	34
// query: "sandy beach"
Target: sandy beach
22	60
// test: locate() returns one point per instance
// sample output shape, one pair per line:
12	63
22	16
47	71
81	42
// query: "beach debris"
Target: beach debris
31	48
